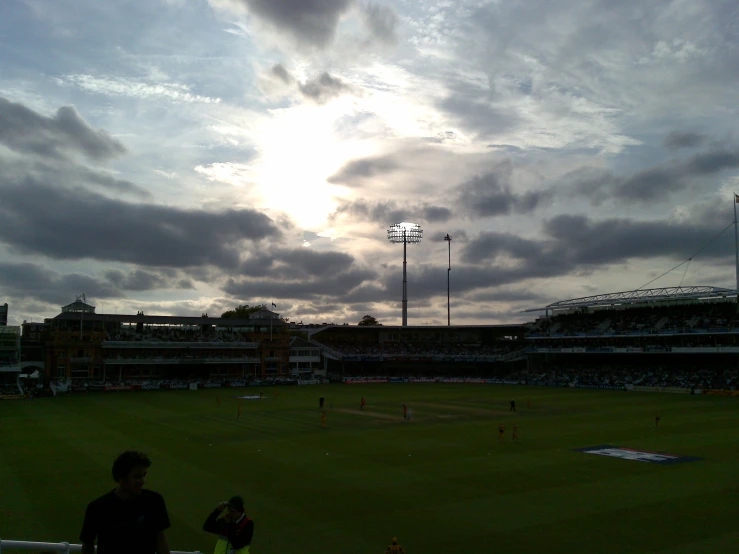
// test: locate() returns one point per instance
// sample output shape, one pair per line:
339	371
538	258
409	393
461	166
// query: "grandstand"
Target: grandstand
81	344
683	337
430	350
653	312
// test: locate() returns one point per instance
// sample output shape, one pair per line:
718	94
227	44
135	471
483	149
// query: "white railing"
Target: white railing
54	547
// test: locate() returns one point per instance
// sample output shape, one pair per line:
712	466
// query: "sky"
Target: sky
181	157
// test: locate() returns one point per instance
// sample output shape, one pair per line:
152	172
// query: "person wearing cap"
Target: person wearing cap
233	528
395	547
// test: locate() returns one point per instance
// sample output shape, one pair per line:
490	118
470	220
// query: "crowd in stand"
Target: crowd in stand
691	318
178	355
601	377
645	342
234	381
177	334
700	378
722	378
419	349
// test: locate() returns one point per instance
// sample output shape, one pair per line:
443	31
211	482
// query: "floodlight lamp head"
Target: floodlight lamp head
405	232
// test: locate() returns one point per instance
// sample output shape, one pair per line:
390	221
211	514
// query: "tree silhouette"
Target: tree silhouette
369	320
241	312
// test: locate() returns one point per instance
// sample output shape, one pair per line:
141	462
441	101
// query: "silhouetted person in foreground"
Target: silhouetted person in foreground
129	518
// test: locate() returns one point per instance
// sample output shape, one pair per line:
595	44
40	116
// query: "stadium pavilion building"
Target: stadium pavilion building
79	343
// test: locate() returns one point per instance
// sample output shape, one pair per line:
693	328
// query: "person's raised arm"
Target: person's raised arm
211	524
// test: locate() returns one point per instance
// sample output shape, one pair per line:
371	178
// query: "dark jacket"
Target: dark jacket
238	534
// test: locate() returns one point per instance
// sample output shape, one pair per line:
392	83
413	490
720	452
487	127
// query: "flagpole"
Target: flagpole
736	250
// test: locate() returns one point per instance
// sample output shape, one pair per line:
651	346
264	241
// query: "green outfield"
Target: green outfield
440	482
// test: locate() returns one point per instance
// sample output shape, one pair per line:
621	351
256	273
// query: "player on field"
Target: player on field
323	420
362	403
501	433
656	420
514	438
320	402
405	411
395	548
513	406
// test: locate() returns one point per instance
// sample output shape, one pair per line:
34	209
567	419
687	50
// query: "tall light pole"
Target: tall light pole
448	272
405	232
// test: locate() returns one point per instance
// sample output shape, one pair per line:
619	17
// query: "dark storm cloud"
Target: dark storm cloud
297	274
388	212
586	241
676	140
489	245
490	195
63	172
305	289
368	292
24	280
30	280
363	168
27	132
506	295
475	110
309	22
44	151
296	263
76	224
323	88
140	280
279	71
435	214
317	309
382	22
580	243
654	183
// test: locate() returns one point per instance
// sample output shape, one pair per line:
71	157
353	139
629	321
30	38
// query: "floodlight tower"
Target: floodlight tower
405	232
448	272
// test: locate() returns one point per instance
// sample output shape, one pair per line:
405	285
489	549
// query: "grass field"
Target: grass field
441	482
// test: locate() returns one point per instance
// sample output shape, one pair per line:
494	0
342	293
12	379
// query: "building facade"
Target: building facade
81	344
9	353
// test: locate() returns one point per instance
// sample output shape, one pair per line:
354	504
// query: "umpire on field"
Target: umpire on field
233	528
